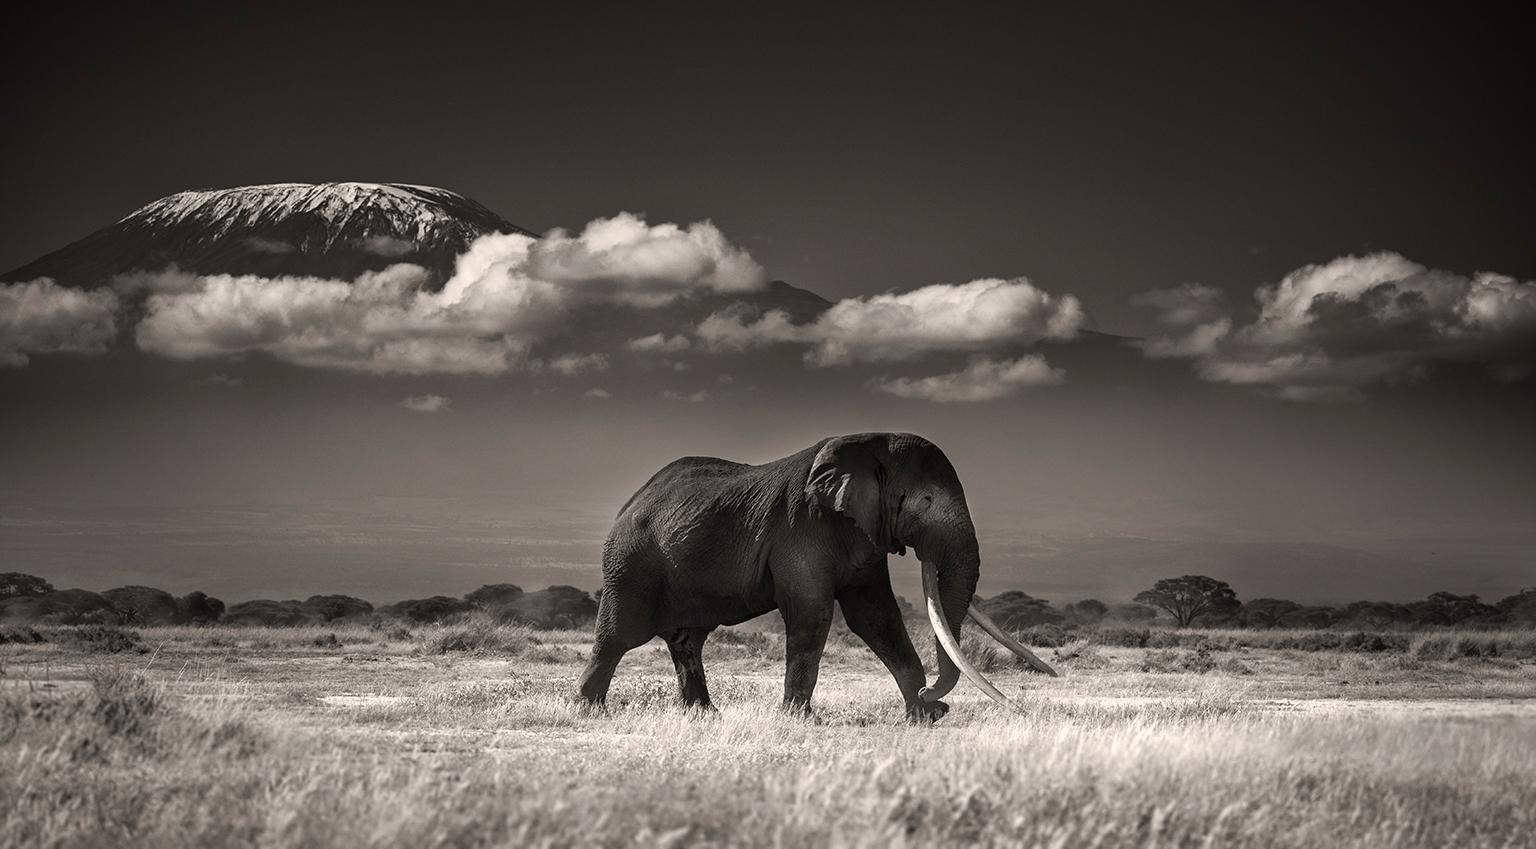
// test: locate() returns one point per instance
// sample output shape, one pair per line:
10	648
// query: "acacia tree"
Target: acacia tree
1189	597
1377	614
16	584
1266	612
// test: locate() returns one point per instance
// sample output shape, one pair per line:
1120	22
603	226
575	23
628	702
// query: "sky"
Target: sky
1316	222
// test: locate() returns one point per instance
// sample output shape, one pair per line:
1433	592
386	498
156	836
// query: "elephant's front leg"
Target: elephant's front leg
806	621
873	614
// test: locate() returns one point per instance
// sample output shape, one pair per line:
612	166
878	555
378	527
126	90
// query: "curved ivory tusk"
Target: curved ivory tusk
947	638
1010	643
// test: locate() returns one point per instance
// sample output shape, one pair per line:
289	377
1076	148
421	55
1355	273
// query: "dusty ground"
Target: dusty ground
274	737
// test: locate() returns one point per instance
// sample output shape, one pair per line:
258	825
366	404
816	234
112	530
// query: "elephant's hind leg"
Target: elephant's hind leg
621	626
687	647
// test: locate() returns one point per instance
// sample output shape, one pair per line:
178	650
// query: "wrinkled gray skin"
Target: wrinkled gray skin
708	542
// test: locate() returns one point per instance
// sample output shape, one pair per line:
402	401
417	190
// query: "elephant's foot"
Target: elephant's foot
585	707
801	710
923	712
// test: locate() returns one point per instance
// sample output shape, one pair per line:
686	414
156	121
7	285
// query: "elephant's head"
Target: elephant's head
900	490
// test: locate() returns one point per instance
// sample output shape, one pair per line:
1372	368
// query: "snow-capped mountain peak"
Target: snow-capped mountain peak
331	229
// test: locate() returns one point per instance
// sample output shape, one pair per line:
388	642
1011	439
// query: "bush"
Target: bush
437	609
1044	636
1168	660
265	612
139	605
492	596
20	634
329	608
553	607
126	704
1015	610
104	639
1123	637
479	635
749	643
63	607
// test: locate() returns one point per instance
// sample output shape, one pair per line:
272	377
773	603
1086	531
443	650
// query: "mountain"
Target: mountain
335	230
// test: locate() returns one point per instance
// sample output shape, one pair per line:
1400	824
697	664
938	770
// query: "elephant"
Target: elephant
708	542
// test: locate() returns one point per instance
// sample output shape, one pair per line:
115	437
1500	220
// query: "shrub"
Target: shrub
492	596
198	607
1015	610
104	639
552	607
1046	636
140	605
265	612
437	609
20	634
17	584
126	704
749	643
982	651
63	607
1168	660
479	635
1123	637
329	608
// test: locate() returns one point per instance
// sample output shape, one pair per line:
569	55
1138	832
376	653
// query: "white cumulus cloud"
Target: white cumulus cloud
426	403
508	293
982	380
978	316
42	317
571	365
1330	330
659	342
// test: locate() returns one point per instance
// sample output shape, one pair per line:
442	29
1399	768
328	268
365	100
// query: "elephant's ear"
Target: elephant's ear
847	476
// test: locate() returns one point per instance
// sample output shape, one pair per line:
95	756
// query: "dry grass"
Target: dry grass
238	737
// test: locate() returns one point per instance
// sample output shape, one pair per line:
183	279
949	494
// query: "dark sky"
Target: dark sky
852	148
1099	150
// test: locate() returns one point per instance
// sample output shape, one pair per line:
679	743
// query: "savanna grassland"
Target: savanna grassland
464	736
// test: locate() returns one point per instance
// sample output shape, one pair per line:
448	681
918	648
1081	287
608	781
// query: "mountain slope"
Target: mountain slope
326	230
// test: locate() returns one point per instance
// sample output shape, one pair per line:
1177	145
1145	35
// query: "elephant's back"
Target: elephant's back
684	478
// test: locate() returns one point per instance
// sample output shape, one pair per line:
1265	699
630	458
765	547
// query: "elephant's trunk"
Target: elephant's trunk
951	562
951	566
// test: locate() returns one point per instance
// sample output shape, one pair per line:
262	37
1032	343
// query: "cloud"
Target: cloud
508	294
688	398
42	317
1184	305
1329	331
383	322
626	260
982	380
597	392
1193	314
978	316
426	403
659	342
571	365
385	246
219	380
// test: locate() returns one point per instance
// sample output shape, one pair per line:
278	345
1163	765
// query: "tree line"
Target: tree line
1184	601
1198	600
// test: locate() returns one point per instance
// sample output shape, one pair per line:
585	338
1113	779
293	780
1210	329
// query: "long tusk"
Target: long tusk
1007	640
947	639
